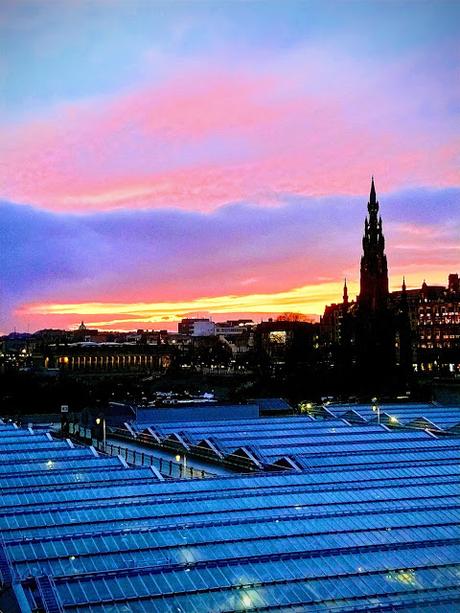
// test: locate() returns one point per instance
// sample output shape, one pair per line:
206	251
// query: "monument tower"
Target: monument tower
375	329
373	295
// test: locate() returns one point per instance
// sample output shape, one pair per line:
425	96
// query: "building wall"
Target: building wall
103	359
204	328
197	327
434	314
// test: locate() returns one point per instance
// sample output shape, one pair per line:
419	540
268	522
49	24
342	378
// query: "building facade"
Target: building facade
386	336
88	358
197	326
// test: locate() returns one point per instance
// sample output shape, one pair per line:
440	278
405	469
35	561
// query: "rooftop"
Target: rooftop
83	532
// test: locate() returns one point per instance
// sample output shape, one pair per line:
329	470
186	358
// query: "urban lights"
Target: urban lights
376	408
100	420
184	460
305	407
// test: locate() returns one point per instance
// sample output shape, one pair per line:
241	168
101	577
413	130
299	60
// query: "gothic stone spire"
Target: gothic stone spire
345	292
374	270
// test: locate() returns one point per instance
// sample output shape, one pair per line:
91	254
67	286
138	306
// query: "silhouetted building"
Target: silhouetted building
438	328
370	338
284	345
375	326
384	337
333	325
234	327
434	315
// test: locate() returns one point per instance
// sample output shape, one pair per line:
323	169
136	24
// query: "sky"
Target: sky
167	159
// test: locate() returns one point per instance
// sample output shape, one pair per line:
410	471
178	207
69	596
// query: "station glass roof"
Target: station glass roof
350	532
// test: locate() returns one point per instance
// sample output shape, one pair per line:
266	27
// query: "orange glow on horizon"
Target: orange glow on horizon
298	298
307	300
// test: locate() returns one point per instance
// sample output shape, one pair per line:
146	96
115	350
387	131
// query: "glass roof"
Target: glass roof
353	531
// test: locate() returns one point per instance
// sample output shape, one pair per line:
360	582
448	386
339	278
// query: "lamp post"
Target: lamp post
178	459
64	420
376	408
100	420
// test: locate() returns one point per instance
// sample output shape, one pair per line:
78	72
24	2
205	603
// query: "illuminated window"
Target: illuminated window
277	337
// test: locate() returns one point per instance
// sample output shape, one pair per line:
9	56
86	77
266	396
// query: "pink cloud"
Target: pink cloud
214	136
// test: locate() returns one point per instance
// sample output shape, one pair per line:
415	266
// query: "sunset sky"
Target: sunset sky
159	159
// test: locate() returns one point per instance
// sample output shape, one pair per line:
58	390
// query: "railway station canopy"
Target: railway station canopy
366	521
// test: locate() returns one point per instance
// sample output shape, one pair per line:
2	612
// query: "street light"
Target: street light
376	408
100	420
178	459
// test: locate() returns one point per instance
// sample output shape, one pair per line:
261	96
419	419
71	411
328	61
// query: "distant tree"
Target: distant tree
293	317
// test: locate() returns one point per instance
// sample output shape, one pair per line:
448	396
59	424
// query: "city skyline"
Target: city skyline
163	169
